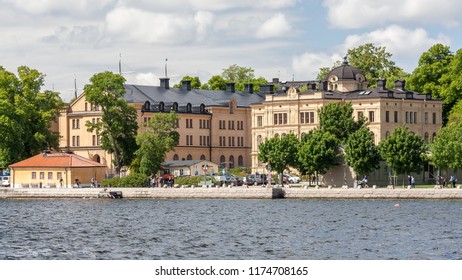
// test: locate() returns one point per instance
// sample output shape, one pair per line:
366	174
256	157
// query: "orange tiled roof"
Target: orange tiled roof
57	160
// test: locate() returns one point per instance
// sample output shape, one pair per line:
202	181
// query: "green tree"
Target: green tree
318	151
195	82
451	83
433	64
159	138
241	76
26	115
215	83
118	126
375	62
446	148
455	115
361	153
403	151
278	153
337	118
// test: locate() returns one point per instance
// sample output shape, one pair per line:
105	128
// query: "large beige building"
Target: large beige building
213	126
292	111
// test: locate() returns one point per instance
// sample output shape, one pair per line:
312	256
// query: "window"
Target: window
93	140
407	117
202	157
175	157
275	121
387	134
371	116
311	117
426	137
189	123
280	118
259	139
42	175
415	117
34	175
434	118
302	117
240	161
59	175
259	121
360	115
231	162
426	117
396	116
222	160
50	175
189	157
387	116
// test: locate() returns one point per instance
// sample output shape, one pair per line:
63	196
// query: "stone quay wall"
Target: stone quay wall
234	193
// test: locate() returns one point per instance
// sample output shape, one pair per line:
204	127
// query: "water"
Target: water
230	229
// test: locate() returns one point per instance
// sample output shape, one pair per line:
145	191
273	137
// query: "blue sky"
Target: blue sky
277	38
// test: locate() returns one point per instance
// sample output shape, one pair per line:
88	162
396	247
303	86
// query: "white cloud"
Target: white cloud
398	40
204	21
148	27
307	65
221	5
357	13
55	7
276	26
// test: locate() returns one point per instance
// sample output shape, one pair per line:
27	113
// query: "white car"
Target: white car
291	179
5	181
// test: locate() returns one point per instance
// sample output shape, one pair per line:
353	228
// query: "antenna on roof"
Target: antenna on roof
166	76
75	86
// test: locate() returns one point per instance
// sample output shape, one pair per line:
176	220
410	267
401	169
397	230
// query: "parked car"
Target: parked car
258	179
291	179
231	179
5	181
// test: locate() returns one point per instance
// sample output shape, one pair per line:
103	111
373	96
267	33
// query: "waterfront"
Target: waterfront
230	229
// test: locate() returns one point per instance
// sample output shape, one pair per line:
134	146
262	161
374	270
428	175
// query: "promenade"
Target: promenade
234	193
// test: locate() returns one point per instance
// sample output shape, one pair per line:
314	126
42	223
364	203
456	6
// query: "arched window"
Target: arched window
433	136
175	107
231	162
97	158
283	135
161	106
202	108
276	135
175	157
240	161
189	157
188	107
222	160
202	157
147	106
426	137
231	107
387	134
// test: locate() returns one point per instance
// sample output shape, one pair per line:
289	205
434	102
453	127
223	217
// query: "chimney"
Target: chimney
275	80
311	86
323	85
164	83
186	85
248	88
399	84
230	87
382	84
267	89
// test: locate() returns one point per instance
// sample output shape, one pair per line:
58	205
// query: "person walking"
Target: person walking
412	182
453	181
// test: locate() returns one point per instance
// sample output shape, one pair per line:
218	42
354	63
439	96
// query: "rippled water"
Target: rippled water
230	229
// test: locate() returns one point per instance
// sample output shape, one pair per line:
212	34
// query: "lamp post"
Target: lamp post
269	175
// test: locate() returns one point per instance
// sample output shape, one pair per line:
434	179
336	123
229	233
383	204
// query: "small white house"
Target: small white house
189	167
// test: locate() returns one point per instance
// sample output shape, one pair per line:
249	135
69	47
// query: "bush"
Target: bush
134	180
193	180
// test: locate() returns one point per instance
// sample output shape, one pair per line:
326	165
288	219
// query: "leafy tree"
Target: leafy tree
159	138
433	64
361	153
403	151
318	151
241	76
451	83
26	115
215	83
118	126
375	62
455	115
323	71
446	149
195	82
337	118
279	152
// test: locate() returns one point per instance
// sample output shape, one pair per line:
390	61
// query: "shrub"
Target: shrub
192	180
134	180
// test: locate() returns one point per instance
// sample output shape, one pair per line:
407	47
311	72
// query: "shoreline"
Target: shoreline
232	193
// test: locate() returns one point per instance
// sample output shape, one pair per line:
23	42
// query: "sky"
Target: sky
287	39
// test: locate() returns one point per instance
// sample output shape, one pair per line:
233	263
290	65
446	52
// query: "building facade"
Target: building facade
292	111
213	125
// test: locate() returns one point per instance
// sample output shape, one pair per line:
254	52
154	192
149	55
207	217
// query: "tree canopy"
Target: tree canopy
235	74
118	126
26	115
156	141
279	152
446	148
403	151
318	151
195	82
337	118
361	153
